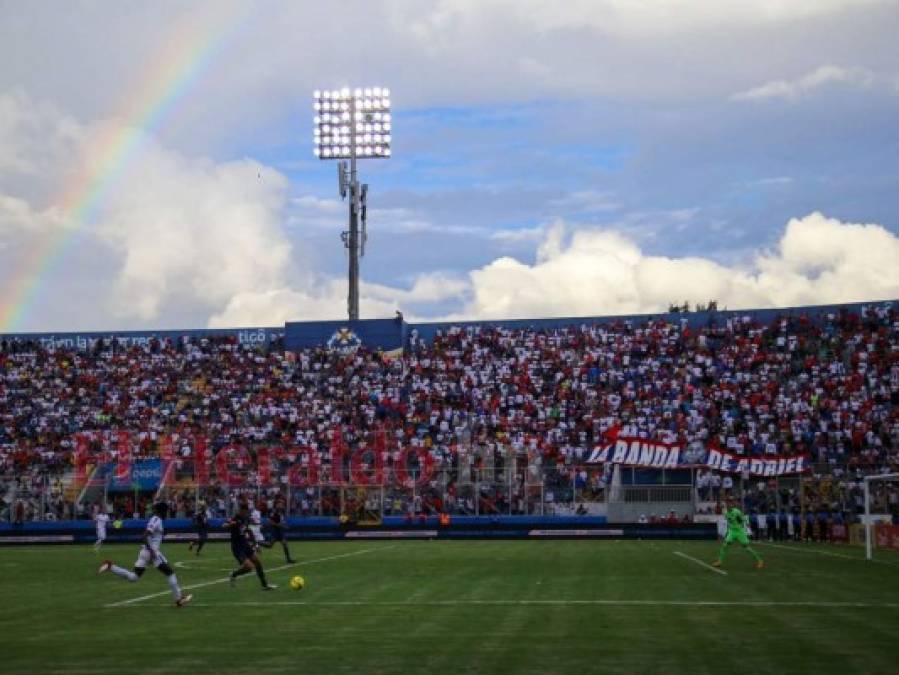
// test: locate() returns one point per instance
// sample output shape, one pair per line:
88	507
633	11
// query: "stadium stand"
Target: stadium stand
508	417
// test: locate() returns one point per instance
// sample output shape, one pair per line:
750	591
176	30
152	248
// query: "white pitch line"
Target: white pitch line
699	562
123	603
635	603
796	549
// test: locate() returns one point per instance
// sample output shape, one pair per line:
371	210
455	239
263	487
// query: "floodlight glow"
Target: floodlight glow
352	122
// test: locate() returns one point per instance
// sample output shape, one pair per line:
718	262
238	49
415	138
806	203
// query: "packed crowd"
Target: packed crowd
480	400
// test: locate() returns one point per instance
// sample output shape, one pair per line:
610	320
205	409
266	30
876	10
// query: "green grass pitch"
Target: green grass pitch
457	607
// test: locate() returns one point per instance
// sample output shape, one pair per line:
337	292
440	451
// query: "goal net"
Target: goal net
881	494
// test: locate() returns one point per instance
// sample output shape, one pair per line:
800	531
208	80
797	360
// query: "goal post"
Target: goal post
869	526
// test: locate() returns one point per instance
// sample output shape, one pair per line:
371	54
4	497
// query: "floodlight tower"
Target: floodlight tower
350	125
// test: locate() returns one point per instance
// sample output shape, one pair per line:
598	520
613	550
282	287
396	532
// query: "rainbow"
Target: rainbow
166	79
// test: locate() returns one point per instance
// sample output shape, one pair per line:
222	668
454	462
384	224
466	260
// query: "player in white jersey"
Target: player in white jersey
151	553
256	528
101	520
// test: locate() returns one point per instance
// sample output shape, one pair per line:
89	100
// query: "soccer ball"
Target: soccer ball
297	583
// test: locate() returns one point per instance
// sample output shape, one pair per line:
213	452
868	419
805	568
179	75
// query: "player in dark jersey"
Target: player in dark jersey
278	525
202	523
243	547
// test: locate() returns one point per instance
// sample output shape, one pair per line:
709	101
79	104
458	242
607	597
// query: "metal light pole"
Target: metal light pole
353	125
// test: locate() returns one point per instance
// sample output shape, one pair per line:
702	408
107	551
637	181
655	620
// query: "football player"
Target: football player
243	547
150	553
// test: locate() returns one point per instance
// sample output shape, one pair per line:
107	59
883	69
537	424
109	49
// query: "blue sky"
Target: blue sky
588	157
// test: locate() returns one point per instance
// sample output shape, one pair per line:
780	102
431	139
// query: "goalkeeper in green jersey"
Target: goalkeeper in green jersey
736	532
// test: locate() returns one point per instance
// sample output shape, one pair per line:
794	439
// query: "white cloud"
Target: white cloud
629	18
793	90
187	236
586	201
173	232
595	272
326	299
432	53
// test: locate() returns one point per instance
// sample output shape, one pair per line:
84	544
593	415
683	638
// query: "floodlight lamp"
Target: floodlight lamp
316	94
368	92
385	102
385	92
344	106
345	116
326	152
357	93
367	149
376	91
345	92
386	138
317	106
317	152
386	117
366	104
385	126
387	152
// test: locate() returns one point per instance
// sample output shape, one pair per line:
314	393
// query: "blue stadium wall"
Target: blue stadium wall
392	334
397	527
